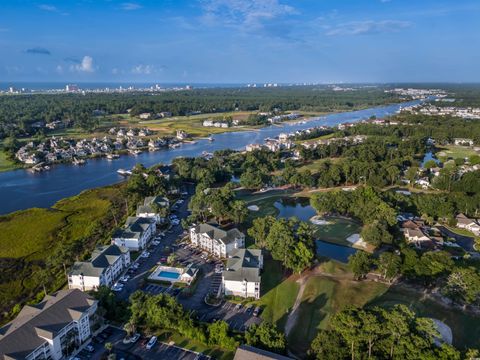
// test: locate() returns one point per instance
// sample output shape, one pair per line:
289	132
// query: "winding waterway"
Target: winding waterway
22	189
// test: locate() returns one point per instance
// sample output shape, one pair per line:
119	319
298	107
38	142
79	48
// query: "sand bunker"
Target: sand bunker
357	241
318	220
253	208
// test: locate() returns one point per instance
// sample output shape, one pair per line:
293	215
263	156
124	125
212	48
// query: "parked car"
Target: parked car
117	287
124	278
257	310
135	338
151	342
90	348
238	307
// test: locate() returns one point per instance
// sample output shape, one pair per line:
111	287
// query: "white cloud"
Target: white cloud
143	69
247	13
368	27
86	65
129	6
59	69
47	7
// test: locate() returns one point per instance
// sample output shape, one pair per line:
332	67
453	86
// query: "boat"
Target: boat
76	161
211	138
135	152
124	172
112	156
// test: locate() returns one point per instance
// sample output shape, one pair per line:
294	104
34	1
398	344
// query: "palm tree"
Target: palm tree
109	347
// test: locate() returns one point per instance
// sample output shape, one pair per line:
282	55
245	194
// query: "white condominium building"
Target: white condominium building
216	241
105	266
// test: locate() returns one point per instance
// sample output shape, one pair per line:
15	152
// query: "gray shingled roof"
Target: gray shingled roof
246	352
462	219
244	264
134	228
102	257
219	234
21	336
147	206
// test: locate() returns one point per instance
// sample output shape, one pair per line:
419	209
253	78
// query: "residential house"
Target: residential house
416	237
136	233
50	329
463	142
145	116
105	266
216	241
466	223
151	206
181	135
242	273
253	147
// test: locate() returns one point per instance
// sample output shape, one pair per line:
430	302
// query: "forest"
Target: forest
21	114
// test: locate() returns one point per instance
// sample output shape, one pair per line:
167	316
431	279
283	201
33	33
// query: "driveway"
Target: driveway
466	242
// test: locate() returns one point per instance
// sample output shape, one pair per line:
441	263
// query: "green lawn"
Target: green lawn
338	231
456	151
278	293
465	327
216	353
6	164
322	298
183	342
29	237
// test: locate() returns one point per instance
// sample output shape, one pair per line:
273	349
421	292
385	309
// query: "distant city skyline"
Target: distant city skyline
240	41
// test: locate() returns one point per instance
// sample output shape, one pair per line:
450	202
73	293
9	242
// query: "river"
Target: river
22	189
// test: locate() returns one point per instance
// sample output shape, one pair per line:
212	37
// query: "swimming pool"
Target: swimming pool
169	275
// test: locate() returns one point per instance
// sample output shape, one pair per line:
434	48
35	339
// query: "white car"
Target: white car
124	278
117	287
136	265
145	254
151	342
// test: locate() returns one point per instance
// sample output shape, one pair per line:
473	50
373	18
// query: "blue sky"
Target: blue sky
231	41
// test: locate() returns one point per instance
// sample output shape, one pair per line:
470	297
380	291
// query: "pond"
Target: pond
429	156
330	237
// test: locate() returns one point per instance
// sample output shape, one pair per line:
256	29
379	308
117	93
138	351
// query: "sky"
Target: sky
240	41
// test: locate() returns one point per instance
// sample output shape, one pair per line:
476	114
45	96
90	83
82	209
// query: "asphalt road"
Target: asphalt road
156	253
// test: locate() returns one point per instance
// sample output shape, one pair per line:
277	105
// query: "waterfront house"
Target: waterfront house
181	135
51	329
103	269
242	273
136	233
216	241
151	207
466	223
253	147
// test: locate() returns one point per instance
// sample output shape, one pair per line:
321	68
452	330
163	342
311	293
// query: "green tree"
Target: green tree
328	345
266	336
389	265
218	335
376	233
260	230
463	285
360	264
239	211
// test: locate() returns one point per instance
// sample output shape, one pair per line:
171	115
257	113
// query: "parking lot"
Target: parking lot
164	351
